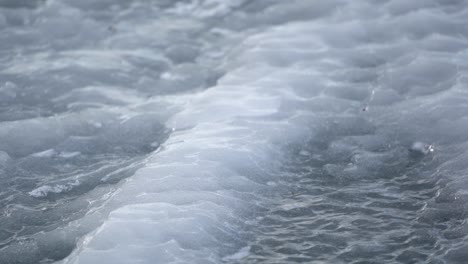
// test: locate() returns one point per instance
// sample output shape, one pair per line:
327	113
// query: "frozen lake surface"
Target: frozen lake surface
233	131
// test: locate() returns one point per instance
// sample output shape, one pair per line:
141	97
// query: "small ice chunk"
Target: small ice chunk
68	155
421	148
171	77
46	189
271	183
242	253
45	154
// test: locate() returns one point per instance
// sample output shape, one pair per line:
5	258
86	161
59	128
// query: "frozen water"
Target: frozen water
236	131
421	148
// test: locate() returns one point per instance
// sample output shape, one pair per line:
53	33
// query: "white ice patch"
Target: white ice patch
53	153
242	253
422	148
45	154
46	189
69	155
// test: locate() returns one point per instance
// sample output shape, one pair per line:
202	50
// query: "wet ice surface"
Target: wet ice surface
211	131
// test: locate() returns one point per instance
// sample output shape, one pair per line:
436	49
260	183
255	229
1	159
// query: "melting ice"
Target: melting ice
233	131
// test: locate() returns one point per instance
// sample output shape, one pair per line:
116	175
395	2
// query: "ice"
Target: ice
421	148
45	190
209	131
45	154
243	252
68	155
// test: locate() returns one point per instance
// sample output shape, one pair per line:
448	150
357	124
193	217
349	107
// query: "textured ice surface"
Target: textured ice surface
209	131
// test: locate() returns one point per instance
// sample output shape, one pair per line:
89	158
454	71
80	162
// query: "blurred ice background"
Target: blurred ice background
233	131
